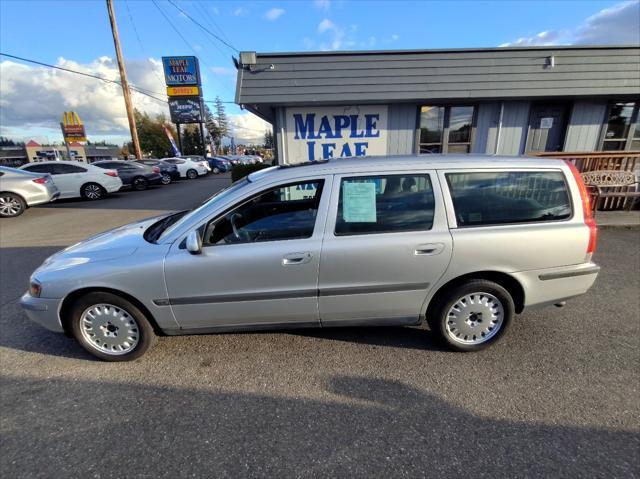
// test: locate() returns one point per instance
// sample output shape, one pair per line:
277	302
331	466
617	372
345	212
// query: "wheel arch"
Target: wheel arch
72	297
508	282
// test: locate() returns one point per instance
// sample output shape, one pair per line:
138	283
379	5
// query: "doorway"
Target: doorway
547	127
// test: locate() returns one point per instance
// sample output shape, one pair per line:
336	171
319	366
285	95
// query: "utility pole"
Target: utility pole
124	82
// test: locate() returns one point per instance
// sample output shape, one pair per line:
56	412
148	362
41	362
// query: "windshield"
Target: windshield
172	226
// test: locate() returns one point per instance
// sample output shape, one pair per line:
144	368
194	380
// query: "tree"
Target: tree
268	139
212	127
221	118
153	139
4	141
191	143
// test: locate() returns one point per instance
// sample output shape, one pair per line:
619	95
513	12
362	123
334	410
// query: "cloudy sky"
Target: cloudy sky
76	35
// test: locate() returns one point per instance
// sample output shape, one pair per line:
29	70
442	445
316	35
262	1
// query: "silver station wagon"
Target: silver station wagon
464	243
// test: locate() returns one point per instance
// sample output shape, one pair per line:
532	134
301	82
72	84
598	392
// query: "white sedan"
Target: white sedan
188	168
77	179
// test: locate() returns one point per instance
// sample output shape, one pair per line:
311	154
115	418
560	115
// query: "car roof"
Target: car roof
402	162
57	162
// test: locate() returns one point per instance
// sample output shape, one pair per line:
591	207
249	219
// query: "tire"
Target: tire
472	316
100	337
92	191
139	183
11	205
192	174
166	179
216	170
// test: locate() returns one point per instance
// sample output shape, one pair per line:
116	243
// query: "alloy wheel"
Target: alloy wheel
10	206
474	318
166	179
93	192
109	329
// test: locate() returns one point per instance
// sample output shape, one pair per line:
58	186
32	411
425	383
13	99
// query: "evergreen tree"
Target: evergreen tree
212	127
268	139
221	118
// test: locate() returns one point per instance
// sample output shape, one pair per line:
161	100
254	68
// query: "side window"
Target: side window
40	168
282	213
509	197
62	169
385	204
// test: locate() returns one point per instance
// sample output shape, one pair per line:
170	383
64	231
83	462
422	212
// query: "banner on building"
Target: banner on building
185	110
176	151
335	132
72	127
181	71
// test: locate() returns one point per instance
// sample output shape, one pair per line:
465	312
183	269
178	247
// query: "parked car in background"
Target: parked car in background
334	243
233	159
168	171
219	164
188	168
133	174
197	159
251	159
22	189
75	179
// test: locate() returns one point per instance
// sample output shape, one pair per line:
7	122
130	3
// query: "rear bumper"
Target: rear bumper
155	179
549	286
112	187
43	311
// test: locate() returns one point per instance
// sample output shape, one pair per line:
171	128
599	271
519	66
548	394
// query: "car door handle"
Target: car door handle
429	249
296	258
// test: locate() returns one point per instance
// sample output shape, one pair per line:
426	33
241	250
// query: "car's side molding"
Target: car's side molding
569	274
294	294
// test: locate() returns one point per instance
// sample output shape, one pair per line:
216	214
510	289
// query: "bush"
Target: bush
240	171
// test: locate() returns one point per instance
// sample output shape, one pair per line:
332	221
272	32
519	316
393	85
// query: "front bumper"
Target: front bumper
43	311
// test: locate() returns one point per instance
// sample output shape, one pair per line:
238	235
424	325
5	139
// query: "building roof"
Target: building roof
32	143
458	75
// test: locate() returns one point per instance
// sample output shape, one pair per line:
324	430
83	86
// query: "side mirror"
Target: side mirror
194	242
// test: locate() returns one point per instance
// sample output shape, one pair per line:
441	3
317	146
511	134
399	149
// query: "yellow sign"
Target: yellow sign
183	91
72	127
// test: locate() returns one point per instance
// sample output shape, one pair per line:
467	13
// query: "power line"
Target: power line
202	27
210	17
142	48
174	27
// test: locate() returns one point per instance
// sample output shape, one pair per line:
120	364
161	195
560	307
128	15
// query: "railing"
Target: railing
603	160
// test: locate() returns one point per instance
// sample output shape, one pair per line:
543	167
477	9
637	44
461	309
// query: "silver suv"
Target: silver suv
463	242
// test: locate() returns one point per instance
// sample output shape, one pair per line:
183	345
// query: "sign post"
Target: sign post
182	77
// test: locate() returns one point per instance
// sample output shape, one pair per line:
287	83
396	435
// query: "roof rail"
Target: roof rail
306	163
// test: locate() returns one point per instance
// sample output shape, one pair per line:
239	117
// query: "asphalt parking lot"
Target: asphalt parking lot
557	397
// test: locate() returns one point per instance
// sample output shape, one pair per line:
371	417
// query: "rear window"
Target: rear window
385	204
494	198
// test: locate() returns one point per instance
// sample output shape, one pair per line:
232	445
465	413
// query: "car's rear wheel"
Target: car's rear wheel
140	183
110	327
216	170
11	205
192	174
473	315
166	179
92	191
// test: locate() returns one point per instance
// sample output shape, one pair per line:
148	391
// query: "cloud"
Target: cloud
224	71
322	4
240	12
248	128
34	97
325	25
274	14
619	24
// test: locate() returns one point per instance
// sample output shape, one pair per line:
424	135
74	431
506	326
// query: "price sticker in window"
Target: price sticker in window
359	202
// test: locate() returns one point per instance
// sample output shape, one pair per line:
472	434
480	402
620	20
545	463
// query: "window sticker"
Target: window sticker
359	202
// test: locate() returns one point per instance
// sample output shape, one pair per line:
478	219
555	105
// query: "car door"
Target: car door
386	244
259	261
69	178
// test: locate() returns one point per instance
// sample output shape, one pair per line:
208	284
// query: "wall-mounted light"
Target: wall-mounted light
551	61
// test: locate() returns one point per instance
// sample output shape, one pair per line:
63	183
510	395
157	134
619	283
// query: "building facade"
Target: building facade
505	101
33	152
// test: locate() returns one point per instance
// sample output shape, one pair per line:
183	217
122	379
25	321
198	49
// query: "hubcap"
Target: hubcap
9	206
109	329
166	179
475	318
92	191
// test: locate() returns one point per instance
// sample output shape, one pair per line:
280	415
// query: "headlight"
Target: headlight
35	288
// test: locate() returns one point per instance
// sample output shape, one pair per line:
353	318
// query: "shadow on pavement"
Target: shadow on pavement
365	428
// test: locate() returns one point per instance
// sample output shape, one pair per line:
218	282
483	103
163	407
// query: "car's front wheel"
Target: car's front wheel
110	327
216	170
472	315
11	205
92	191
192	174
166	179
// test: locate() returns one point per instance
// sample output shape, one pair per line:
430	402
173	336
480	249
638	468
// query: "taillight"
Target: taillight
156	169
111	173
41	181
589	220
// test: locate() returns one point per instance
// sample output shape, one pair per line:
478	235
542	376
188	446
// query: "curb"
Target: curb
624	226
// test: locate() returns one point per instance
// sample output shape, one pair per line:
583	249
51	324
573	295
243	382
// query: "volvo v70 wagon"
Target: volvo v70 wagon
464	243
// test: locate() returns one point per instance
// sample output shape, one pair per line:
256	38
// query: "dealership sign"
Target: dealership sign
185	109
181	71
183	91
335	132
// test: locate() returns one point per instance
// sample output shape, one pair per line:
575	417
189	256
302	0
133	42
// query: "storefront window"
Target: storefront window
446	129
618	136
